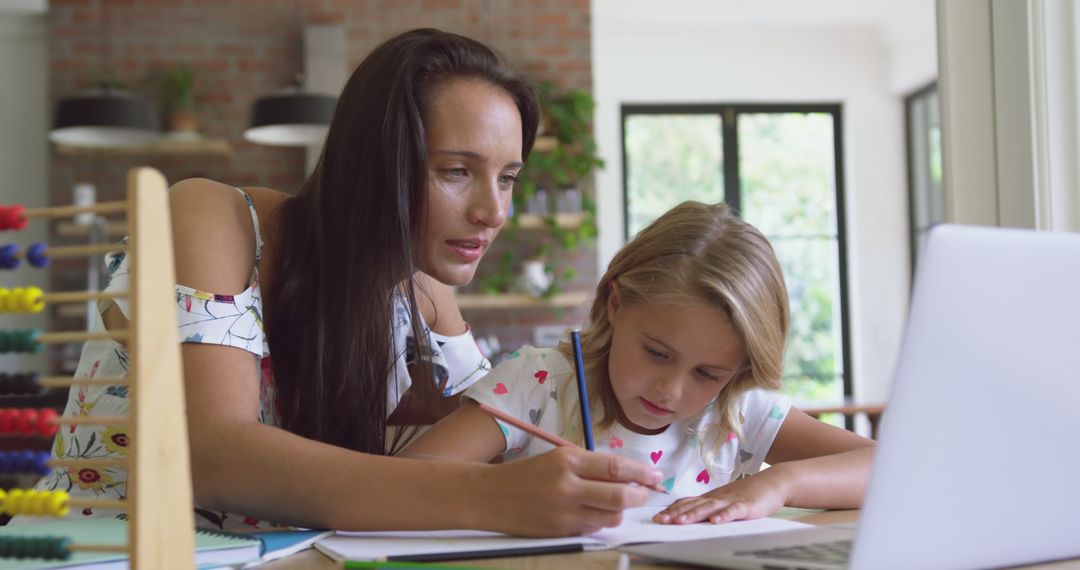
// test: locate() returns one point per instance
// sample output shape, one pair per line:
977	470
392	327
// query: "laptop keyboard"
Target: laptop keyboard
836	552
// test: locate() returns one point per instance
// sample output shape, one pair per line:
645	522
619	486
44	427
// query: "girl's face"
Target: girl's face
473	134
668	362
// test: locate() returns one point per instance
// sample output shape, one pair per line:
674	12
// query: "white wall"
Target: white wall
699	59
24	150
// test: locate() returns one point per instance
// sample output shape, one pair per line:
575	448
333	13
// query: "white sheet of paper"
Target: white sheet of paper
637	527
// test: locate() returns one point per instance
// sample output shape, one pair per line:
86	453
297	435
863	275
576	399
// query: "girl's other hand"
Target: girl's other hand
753	497
565	492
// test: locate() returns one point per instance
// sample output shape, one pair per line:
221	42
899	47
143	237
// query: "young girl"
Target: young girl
683	354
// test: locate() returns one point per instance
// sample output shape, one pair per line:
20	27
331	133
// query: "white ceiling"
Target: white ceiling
887	18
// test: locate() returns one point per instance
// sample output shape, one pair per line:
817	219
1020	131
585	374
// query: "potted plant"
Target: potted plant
566	164
178	101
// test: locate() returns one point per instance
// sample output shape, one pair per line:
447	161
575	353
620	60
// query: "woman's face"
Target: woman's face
474	155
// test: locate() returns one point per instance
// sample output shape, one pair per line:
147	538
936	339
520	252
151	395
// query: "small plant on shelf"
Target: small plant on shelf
563	160
178	100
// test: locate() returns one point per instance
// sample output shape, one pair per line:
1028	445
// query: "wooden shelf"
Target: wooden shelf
545	143
520	301
567	220
165	146
113	229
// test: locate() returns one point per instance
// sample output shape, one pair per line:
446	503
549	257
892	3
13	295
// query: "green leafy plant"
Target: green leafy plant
178	90
565	156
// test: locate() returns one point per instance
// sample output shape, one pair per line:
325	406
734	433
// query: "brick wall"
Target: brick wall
241	49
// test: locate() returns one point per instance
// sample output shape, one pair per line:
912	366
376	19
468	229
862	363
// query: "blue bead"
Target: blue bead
37	254
41	464
7	256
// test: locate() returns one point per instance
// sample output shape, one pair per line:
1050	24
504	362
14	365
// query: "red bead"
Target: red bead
26	420
16	220
7	420
46	422
9	217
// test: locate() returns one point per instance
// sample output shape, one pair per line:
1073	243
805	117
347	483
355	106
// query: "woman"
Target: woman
288	394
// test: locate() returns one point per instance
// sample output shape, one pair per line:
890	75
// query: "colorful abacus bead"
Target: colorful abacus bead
25	461
12	218
32	299
19	341
22	300
8	256
28	421
38	254
44	547
35	503
19	384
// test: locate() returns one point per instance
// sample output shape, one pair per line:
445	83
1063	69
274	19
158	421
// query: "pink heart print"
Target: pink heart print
541	375
500	389
656	455
703	477
615	442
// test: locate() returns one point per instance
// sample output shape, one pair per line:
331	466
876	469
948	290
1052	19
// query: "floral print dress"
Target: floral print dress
226	320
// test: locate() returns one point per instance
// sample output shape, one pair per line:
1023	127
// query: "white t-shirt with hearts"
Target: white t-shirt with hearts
538	385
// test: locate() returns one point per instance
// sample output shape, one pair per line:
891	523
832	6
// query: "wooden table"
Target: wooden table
596	560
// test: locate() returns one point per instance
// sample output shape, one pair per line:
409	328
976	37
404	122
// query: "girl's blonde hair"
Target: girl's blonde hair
696	253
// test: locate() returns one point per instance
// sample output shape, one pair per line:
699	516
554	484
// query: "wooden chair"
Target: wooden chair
850	409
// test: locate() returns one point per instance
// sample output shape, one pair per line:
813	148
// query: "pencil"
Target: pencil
583	392
526	426
548	437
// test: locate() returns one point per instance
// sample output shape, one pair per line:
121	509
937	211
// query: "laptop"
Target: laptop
978	463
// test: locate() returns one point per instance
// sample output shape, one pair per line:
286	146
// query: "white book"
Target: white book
637	527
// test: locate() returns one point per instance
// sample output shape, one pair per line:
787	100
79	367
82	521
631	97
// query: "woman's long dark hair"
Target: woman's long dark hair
348	237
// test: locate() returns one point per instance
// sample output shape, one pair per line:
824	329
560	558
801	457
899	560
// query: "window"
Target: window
924	165
779	167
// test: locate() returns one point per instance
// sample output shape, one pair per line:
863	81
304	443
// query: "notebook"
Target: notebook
973	469
445	545
281	543
212	547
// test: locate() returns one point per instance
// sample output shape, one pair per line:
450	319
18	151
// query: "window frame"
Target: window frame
729	113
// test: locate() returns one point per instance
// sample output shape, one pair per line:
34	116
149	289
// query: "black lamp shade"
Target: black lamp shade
104	119
291	119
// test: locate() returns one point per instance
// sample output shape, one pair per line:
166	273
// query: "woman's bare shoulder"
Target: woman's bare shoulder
213	234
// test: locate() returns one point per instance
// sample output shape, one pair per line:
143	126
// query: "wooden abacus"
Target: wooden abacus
159	501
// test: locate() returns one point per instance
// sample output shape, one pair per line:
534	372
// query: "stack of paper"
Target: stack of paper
637	527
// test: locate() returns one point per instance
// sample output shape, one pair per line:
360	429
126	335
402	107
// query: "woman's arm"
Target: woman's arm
240	465
468	434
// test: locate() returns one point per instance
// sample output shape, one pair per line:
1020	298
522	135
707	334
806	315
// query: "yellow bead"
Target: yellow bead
17	300
32	502
58	504
14	300
35	299
5	297
3	500
14	503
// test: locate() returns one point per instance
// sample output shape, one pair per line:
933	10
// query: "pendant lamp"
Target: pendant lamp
292	117
103	118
